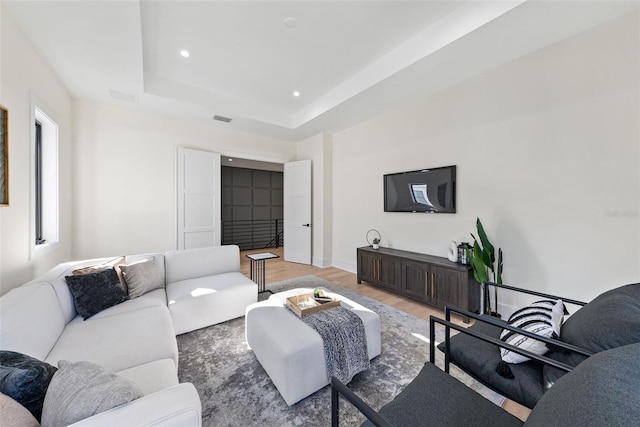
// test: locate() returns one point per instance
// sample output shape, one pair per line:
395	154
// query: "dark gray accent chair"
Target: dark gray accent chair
604	390
610	320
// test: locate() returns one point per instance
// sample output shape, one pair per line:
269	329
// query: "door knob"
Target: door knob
306	225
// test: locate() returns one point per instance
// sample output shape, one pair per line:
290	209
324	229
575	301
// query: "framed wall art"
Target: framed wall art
4	156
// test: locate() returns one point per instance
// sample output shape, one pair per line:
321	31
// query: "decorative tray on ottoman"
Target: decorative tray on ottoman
304	304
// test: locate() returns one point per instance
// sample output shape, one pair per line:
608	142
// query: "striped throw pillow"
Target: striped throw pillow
543	318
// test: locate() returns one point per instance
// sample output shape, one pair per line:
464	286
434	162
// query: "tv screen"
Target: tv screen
426	190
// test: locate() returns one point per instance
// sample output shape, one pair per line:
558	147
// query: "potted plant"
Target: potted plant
376	243
486	268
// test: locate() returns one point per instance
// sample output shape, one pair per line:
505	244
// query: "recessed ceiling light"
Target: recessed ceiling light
185	53
222	118
296	93
123	96
290	22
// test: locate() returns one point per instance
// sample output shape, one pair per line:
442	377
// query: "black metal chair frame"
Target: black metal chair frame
501	324
338	388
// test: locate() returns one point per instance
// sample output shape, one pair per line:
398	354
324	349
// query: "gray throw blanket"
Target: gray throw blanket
345	343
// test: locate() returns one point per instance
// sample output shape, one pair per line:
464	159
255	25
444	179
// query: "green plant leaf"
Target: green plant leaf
486	244
486	258
479	268
499	272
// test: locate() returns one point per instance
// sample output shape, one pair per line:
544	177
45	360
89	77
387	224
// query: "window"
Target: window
38	183
44	236
419	194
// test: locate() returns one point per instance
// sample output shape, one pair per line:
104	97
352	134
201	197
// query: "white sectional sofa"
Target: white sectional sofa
205	287
136	338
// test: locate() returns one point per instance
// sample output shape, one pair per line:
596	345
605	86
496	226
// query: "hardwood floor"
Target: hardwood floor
277	270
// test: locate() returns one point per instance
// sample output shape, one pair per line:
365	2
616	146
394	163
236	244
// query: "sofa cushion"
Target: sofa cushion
118	342
611	320
205	301
542	318
480	359
94	292
153	376
143	276
156	298
31	320
604	390
80	390
25	380
56	278
14	414
201	262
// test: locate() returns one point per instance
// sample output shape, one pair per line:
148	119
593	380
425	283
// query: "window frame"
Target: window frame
38	183
45	192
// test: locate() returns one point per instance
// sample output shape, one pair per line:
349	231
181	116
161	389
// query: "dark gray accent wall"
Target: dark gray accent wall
249	194
250	198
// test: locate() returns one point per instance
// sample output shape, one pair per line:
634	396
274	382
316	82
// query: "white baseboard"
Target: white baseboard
506	310
321	262
345	265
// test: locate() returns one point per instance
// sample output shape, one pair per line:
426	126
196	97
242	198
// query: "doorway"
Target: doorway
248	208
252	203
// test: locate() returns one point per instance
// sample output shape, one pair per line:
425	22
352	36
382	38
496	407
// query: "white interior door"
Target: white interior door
297	211
198	184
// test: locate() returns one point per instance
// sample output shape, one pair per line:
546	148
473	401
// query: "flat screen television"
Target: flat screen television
427	190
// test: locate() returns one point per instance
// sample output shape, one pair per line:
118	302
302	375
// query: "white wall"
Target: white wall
548	156
547	149
24	74
125	164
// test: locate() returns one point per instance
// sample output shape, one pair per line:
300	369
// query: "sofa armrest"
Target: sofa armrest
175	406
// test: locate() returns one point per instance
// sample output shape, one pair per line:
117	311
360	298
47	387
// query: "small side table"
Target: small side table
257	268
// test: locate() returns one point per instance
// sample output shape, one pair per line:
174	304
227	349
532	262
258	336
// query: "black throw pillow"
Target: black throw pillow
95	292
25	380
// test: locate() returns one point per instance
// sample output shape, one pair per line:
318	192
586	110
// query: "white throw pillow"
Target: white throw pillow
79	390
542	318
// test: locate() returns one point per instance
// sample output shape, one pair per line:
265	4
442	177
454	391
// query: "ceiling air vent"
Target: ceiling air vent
122	96
221	118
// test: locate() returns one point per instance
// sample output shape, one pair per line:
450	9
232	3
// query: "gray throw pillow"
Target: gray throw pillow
95	292
142	277
81	390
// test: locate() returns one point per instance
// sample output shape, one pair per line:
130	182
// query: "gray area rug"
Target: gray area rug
236	391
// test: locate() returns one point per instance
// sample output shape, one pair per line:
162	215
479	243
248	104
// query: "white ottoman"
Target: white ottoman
291	352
